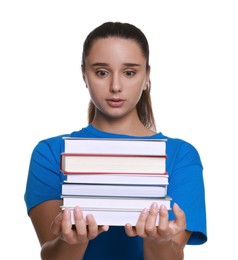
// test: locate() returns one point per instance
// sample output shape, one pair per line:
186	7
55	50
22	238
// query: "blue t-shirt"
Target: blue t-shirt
186	188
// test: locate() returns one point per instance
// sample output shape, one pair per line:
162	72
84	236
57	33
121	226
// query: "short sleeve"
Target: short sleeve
186	188
44	176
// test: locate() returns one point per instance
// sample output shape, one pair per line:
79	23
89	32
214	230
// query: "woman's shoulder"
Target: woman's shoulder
181	151
59	139
177	143
56	143
51	143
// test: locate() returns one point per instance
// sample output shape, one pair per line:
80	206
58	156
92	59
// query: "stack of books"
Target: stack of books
114	179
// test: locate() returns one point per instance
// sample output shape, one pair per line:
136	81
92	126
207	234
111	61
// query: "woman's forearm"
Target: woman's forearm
59	250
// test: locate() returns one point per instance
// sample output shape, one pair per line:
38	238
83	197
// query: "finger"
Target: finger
92	226
180	217
140	225
163	227
66	226
130	230
150	226
56	225
80	223
102	229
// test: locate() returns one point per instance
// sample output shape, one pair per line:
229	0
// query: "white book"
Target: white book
160	179
154	191
112	217
115	146
114	202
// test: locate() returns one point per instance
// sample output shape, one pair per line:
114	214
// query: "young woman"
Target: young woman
116	71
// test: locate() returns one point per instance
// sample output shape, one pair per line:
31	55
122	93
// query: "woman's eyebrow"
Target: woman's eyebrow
98	64
104	64
132	64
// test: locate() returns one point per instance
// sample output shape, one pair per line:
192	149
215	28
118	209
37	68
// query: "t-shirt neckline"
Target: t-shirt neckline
102	134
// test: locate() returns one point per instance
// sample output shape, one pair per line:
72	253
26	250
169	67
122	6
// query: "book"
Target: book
112	217
153	191
112	163
115	146
118	178
116	203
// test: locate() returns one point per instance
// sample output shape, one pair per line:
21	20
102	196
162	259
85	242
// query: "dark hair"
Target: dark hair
125	31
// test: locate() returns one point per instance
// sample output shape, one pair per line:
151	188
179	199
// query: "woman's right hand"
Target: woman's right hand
83	231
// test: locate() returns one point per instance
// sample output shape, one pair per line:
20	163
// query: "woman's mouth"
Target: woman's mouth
115	102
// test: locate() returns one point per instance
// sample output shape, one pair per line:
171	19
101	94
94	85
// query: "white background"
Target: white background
194	60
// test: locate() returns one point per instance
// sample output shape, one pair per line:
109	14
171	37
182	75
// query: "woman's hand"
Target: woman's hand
83	231
166	230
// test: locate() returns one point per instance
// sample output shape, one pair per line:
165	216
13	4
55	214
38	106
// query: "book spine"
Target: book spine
112	155
109	173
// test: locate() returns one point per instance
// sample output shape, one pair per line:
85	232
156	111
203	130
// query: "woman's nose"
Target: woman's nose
115	84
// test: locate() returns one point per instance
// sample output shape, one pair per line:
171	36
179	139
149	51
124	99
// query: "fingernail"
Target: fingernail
105	228
66	211
163	208
145	212
77	210
154	205
176	206
128	225
89	218
154	208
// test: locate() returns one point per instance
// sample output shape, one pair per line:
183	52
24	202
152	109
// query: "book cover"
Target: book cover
115	146
111	163
154	191
113	217
160	178
114	202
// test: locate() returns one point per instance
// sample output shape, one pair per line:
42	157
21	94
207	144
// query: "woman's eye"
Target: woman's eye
129	73
102	73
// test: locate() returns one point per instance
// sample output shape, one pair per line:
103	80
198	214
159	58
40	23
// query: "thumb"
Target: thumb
180	216
56	224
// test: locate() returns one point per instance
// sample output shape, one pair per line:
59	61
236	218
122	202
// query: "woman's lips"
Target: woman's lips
115	102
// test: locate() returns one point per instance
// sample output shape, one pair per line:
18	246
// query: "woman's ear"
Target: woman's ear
147	82
146	86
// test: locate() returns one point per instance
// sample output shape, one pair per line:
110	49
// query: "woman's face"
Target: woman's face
115	74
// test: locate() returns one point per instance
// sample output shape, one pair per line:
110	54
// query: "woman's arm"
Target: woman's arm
165	241
54	230
172	249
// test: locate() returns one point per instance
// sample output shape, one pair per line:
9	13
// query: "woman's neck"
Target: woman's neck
120	126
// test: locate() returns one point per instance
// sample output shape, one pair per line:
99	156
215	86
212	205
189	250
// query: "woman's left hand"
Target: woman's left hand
165	230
